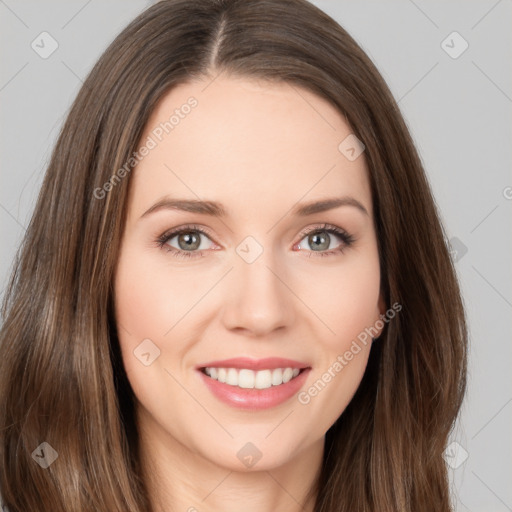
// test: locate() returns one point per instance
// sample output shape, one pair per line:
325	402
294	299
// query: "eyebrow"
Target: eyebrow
216	209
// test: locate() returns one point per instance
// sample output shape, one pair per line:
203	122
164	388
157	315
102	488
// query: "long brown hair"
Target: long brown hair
61	377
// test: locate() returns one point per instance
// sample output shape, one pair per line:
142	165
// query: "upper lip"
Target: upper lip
254	364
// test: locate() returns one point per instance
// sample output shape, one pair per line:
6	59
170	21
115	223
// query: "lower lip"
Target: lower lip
255	399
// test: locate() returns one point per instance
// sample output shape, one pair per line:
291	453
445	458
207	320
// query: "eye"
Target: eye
188	240
320	239
190	244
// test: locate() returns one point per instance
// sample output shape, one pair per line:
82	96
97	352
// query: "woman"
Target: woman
235	289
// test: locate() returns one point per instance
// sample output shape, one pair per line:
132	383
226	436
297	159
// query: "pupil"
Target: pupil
191	240
318	238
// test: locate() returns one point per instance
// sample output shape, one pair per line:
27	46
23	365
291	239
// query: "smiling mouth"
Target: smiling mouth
251	379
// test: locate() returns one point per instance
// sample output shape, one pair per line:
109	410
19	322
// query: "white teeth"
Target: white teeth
232	378
250	379
245	379
287	374
277	377
263	379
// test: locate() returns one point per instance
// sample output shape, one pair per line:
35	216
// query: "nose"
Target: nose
258	298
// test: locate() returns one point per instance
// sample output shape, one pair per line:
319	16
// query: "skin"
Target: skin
257	148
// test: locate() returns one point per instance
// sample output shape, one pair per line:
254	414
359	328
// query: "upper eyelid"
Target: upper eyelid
171	233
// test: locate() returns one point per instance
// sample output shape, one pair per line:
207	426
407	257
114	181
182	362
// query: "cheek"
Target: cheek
347	308
346	300
147	306
350	306
148	301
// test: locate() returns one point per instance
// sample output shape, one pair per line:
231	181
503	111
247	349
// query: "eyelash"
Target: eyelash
162	240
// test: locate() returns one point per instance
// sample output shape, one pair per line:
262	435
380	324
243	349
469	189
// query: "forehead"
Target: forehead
246	143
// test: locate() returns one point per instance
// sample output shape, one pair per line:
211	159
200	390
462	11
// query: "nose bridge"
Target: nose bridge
258	299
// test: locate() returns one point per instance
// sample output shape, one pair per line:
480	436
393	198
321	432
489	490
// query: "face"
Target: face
252	276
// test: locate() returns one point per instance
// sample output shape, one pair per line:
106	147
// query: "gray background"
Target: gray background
458	110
